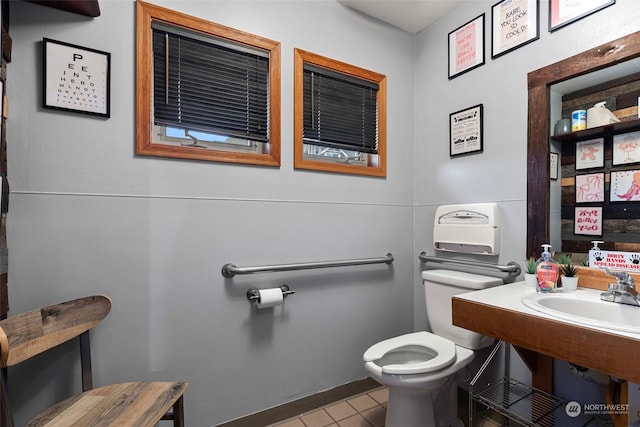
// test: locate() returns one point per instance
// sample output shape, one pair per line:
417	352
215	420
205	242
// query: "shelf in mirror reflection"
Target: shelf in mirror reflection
597	131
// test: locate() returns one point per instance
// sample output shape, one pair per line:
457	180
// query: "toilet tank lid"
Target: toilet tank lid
461	279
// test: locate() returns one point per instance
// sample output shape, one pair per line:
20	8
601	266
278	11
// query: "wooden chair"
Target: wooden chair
134	404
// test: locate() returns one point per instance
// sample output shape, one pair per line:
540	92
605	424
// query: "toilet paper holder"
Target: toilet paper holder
253	294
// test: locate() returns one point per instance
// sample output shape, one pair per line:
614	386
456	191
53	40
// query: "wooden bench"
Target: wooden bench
134	404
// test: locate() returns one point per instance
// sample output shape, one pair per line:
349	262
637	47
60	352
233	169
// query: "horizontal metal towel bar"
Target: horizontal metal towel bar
512	267
230	270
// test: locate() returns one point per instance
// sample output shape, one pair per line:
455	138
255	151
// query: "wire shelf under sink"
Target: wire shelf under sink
532	407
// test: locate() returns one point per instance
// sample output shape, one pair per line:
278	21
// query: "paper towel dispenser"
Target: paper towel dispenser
467	228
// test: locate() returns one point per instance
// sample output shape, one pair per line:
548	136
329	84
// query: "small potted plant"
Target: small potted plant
569	274
530	277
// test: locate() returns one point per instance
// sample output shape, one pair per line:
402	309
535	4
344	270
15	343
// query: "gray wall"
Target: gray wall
499	174
88	216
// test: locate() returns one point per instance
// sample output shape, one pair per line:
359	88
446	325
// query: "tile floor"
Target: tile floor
363	410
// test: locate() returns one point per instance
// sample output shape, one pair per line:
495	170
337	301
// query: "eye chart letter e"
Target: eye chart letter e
76	78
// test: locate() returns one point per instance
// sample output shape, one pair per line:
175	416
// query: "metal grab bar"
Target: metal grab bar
229	270
512	267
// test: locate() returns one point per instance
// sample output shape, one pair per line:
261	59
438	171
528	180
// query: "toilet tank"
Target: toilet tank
439	287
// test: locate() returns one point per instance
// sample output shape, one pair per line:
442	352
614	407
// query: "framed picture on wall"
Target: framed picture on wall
625	186
514	23
564	12
626	148
465	131
553	165
590	154
590	188
76	78
466	47
588	221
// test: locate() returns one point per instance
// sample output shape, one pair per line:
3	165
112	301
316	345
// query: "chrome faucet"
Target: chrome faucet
623	291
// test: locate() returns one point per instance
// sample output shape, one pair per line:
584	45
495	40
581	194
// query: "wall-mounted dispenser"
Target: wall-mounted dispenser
467	228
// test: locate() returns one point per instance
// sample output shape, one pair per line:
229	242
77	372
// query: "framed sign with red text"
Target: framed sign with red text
564	12
466	47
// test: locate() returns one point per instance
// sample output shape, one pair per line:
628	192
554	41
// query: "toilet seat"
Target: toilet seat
444	349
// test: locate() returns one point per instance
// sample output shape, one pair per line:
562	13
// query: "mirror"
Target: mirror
619	87
539	87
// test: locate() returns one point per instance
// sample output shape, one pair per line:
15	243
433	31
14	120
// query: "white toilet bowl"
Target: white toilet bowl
422	372
423	369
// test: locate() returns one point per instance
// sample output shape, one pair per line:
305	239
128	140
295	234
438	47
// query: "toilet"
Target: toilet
422	370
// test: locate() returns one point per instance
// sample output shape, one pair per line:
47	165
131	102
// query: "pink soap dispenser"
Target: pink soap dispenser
547	271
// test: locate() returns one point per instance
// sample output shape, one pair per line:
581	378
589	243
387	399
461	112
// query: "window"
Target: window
340	117
205	91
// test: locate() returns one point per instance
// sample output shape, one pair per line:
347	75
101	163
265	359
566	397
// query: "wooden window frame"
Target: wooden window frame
147	13
300	58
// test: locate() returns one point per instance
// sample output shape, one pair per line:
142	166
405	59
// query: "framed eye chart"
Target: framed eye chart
76	78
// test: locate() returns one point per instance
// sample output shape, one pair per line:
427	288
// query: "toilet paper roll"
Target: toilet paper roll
270	298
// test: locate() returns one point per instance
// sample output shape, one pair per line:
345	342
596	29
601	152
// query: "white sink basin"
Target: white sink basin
586	308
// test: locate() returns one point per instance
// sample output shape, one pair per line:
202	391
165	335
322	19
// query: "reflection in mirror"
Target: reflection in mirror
582	181
540	123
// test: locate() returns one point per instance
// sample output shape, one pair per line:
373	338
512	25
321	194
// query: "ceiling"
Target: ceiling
410	15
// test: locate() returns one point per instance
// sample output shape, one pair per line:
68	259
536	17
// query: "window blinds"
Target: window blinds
340	111
204	85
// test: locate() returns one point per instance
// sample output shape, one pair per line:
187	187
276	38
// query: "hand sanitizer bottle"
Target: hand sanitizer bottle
547	271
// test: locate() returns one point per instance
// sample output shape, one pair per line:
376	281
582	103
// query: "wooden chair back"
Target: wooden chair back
29	334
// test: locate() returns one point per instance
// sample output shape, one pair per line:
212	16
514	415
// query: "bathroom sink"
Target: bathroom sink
586	308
